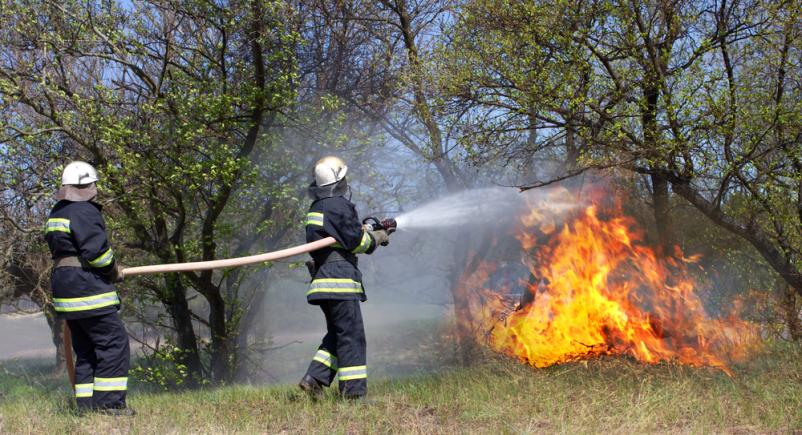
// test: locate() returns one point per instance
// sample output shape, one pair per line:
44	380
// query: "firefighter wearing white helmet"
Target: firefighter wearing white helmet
330	170
78	173
329	178
337	282
84	271
78	182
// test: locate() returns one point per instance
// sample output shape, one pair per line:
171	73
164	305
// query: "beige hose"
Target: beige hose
230	262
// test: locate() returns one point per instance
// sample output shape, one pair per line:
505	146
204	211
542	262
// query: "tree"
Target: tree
694	95
378	58
24	262
370	56
176	103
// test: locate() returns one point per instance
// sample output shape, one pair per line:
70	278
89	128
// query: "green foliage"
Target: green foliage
175	105
164	369
699	96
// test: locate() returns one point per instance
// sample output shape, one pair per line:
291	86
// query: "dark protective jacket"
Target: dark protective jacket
336	274
77	229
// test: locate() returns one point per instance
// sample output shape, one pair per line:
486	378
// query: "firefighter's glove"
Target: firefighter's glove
380	236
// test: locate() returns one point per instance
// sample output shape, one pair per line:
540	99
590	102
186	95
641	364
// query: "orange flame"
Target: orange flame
598	289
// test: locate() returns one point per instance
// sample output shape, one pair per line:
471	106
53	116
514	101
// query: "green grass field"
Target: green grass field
495	395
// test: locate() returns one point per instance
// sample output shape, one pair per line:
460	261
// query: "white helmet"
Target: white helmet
329	170
78	173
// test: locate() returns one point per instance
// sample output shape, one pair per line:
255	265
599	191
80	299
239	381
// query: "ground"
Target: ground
495	395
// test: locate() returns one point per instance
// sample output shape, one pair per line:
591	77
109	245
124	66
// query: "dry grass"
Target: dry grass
494	396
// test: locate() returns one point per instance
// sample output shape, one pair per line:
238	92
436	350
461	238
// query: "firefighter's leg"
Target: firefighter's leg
324	364
113	360
84	364
351	349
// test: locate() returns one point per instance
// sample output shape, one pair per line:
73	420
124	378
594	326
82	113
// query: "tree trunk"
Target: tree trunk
221	349
186	340
246	326
662	214
660	193
792	312
465	260
57	336
466	343
571	149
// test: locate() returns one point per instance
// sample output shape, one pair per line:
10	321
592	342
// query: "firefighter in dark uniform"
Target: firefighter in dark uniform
83	294
337	282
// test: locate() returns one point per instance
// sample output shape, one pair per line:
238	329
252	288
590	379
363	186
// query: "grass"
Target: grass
495	395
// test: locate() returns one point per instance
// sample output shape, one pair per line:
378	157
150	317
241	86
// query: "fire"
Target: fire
596	288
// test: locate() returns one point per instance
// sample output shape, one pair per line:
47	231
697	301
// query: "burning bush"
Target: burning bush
597	288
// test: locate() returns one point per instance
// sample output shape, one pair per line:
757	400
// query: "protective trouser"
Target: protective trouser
102	359
343	351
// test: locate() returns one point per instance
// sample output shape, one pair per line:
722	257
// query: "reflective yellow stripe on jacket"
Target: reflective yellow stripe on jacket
103	260
68	305
57	224
314	218
364	244
334	285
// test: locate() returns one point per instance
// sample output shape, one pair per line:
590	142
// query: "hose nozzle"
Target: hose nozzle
389	224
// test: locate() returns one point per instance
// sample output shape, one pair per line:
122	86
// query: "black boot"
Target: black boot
311	386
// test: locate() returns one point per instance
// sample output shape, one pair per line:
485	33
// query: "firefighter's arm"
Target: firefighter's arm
343	224
89	231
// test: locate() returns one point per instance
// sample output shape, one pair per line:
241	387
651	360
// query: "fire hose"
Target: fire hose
229	262
192	267
370	224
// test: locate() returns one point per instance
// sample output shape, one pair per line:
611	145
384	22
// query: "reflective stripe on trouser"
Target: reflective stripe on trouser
345	341
85	360
334	285
111	384
83	390
324	357
351	373
70	305
101	354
